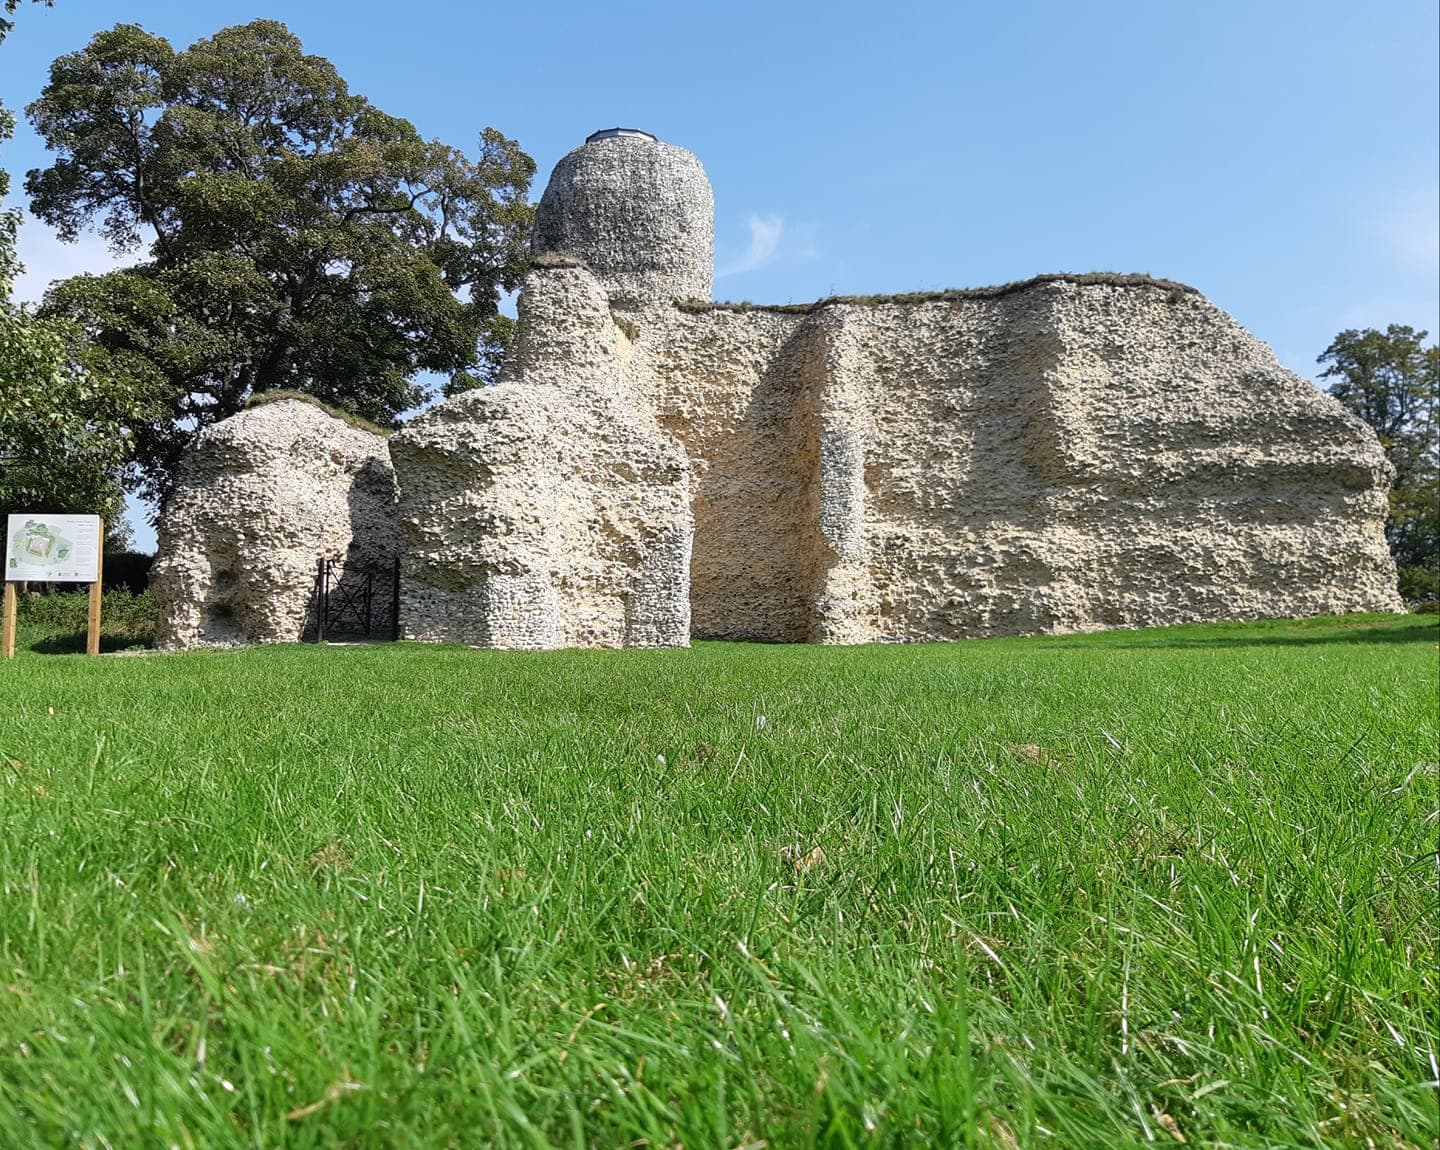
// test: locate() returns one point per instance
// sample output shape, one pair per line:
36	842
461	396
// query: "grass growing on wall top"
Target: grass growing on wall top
350	419
1178	293
1088	891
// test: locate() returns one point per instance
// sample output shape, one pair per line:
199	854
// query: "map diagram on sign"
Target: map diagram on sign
35	545
53	548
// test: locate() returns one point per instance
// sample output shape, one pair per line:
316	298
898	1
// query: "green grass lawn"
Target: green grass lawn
1095	891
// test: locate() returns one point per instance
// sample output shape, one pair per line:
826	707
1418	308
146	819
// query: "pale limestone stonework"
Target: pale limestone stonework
547	511
638	211
1063	456
259	500
1071	453
537	518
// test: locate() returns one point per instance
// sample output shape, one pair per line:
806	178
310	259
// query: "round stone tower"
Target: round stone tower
639	212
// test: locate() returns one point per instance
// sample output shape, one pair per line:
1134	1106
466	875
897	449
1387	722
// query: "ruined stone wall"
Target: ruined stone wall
1121	457
1064	457
1067	454
535	518
260	498
639	212
548	511
724	386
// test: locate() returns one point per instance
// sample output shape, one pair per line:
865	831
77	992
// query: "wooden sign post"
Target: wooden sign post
97	594
56	549
7	644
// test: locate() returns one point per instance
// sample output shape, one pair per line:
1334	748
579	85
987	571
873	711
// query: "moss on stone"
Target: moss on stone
1109	279
350	419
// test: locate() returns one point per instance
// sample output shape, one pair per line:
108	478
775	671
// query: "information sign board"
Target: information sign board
53	548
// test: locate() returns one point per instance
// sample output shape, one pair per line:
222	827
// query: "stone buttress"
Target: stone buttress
546	511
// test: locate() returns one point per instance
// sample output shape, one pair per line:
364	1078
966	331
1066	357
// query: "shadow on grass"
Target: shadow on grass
1422	629
73	643
1417	632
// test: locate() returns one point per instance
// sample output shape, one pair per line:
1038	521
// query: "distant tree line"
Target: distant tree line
1391	380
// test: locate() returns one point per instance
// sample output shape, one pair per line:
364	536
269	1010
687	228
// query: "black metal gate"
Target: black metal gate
356	600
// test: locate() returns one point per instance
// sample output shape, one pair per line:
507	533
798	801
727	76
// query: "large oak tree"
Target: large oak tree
294	236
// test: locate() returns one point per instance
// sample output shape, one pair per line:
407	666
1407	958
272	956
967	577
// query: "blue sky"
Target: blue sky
1282	157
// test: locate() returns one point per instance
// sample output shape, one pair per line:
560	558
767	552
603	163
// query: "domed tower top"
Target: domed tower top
638	211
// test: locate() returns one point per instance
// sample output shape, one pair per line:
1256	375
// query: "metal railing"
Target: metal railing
356	600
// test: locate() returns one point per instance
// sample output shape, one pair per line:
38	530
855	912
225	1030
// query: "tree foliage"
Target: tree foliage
9	218
63	439
62	433
9	8
295	237
1391	380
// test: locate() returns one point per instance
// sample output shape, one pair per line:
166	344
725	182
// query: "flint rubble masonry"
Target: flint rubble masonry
259	500
1069	456
1071	453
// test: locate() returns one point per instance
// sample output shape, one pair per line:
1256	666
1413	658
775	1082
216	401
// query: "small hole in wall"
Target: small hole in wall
218	622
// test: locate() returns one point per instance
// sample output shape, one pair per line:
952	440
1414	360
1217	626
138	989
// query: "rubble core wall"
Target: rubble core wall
259	499
726	388
639	212
536	517
1069	456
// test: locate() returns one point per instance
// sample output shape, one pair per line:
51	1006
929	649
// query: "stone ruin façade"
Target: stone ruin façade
1070	453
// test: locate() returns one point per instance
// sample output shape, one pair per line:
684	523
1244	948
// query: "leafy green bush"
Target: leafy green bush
126	620
1420	588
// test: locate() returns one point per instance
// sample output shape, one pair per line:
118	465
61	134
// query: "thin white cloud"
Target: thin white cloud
765	233
1407	223
47	259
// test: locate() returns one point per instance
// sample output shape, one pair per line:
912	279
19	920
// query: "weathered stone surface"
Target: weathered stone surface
639	212
536	518
1072	453
1066	456
567	334
548	511
260	499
